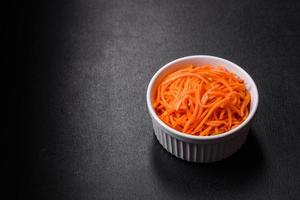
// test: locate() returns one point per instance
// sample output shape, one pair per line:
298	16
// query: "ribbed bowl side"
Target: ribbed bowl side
211	151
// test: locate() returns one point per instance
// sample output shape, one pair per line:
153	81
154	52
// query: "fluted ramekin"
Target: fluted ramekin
201	148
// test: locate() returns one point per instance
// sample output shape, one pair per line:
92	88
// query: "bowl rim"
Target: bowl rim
194	137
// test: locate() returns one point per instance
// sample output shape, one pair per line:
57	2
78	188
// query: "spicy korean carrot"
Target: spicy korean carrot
203	100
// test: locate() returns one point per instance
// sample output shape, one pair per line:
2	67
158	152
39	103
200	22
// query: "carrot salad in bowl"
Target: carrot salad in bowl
202	100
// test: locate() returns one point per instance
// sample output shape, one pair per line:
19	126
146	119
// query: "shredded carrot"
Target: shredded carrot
202	100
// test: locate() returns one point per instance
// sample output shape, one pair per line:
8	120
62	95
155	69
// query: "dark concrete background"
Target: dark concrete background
84	128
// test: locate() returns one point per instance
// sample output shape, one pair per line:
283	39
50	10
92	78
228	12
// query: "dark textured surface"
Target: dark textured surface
85	130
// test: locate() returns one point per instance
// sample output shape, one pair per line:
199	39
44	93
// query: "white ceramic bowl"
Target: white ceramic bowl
201	148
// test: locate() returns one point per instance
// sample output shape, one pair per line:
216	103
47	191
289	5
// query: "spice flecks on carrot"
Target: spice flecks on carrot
202	100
